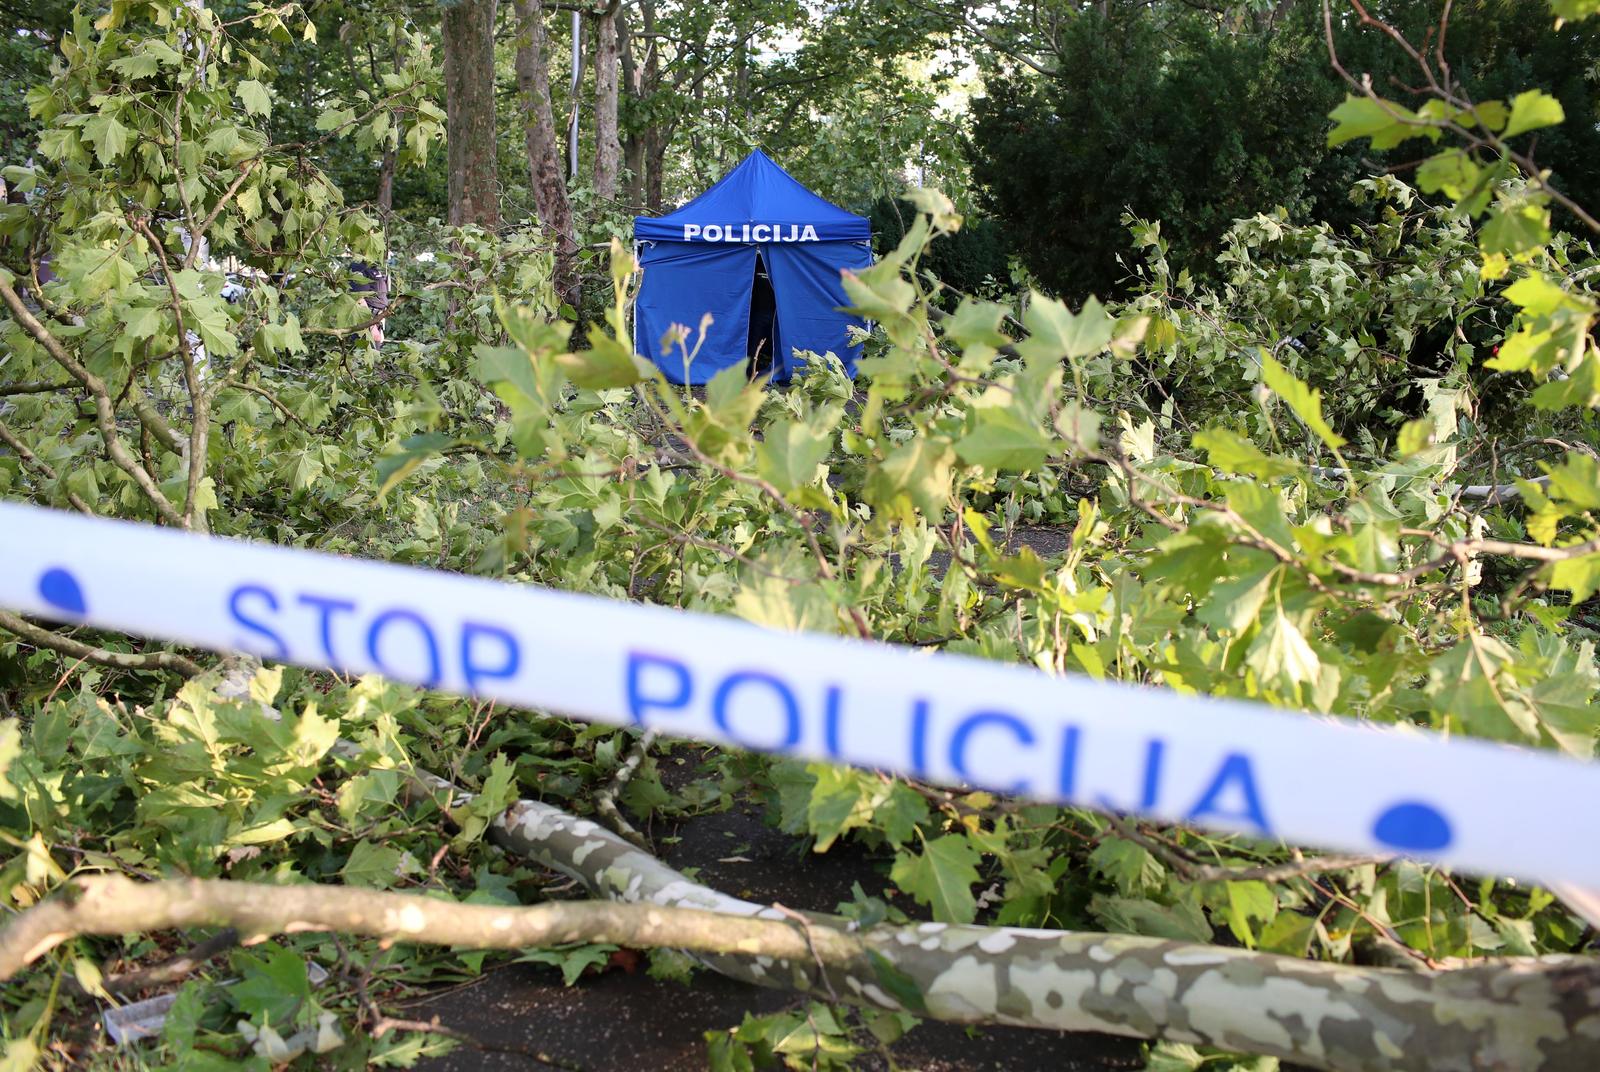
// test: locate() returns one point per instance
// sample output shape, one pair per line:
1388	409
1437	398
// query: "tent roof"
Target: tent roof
756	191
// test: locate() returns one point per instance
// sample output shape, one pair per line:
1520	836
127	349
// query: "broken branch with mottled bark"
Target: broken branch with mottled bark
1525	1013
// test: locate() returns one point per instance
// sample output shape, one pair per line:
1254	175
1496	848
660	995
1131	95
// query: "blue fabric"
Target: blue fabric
806	280
701	259
756	193
683	281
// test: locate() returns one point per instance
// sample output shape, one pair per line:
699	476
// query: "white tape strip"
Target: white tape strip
1142	751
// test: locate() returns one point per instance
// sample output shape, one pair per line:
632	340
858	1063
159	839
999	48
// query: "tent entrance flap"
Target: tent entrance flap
762	344
683	284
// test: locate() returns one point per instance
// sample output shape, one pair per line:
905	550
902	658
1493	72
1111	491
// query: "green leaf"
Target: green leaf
1056	332
1573	10
789	454
842	800
1182	922
1515	227
572	960
897	984
108	137
274	987
1001	438
1385	122
1233	453
1469	685
915	476
975	328
607	363
1233	605
1249	902
941	877
372	864
1414	436
1305	401
1282	656
1530	110
1580	576
1453	173
414	451
879	292
1129	865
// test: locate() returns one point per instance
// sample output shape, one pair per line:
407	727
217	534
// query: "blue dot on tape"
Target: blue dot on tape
1412	826
60	589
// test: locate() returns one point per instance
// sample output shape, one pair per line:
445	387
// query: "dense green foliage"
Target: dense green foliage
1255	478
1130	122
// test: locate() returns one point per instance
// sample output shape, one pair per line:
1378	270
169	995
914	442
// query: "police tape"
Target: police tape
1226	765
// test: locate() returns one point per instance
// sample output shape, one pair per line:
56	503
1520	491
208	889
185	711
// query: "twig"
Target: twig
385	1024
105	414
33	387
122	660
270	397
45	469
606	801
805	927
178	968
200	424
1191	869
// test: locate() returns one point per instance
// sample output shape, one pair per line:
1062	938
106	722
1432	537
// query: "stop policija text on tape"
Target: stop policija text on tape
1152	752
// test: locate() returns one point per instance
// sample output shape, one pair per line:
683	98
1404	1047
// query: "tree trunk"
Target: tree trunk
655	163
468	32
544	154
386	183
653	143
607	148
633	87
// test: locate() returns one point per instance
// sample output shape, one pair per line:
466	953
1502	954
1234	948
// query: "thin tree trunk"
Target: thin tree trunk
633	87
655	163
653	150
607	148
468	33
544	155
386	183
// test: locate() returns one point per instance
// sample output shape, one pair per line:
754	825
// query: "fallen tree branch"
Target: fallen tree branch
1328	1016
605	802
115	905
122	660
1523	1013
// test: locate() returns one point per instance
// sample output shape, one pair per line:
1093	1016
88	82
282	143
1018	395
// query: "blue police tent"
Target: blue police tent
758	240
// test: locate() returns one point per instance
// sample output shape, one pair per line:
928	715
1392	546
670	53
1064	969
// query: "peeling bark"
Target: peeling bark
1535	1013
